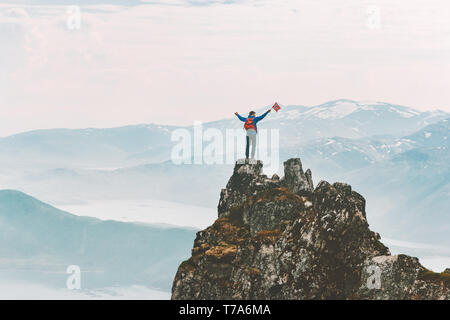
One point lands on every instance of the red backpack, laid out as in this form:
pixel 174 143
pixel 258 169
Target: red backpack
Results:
pixel 249 124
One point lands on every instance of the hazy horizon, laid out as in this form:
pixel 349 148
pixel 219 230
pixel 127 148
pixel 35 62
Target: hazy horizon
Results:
pixel 186 123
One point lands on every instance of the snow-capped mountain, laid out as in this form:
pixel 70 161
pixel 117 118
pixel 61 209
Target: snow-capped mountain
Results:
pixel 387 151
pixel 408 190
pixel 343 118
pixel 142 144
pixel 343 108
pixel 434 135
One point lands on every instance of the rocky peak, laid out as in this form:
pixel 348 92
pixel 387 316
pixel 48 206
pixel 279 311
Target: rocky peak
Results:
pixel 295 180
pixel 282 239
pixel 247 180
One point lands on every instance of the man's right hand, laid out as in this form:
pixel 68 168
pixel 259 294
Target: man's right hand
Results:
pixel 236 113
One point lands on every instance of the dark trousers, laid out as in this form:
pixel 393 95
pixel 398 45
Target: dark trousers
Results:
pixel 247 147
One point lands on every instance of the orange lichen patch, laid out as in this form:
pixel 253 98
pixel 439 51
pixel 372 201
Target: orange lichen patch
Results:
pixel 252 272
pixel 230 228
pixel 268 235
pixel 285 195
pixel 200 249
pixel 198 252
pixel 224 225
pixel 276 194
pixel 442 278
pixel 222 250
pixel 187 266
pixel 221 224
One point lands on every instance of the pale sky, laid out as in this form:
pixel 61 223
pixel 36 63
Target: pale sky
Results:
pixel 177 61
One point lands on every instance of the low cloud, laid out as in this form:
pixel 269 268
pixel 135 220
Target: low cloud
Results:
pixel 29 291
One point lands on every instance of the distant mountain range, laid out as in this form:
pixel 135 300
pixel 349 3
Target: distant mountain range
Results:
pixel 396 156
pixel 38 243
pixel 337 154
pixel 151 143
pixel 89 147
pixel 411 188
pixel 344 118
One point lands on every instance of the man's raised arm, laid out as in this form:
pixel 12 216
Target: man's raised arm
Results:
pixel 240 118
pixel 263 115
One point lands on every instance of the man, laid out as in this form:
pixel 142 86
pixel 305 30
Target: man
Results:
pixel 252 130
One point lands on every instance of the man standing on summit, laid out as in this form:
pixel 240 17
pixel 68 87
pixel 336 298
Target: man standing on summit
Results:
pixel 252 130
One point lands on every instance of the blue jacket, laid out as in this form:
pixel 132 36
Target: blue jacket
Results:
pixel 255 119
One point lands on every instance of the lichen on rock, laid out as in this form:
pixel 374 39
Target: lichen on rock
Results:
pixel 282 239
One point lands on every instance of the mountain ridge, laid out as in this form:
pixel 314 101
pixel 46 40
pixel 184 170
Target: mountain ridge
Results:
pixel 284 239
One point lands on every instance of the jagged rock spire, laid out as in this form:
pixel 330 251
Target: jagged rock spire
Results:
pixel 295 180
pixel 280 239
pixel 247 179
